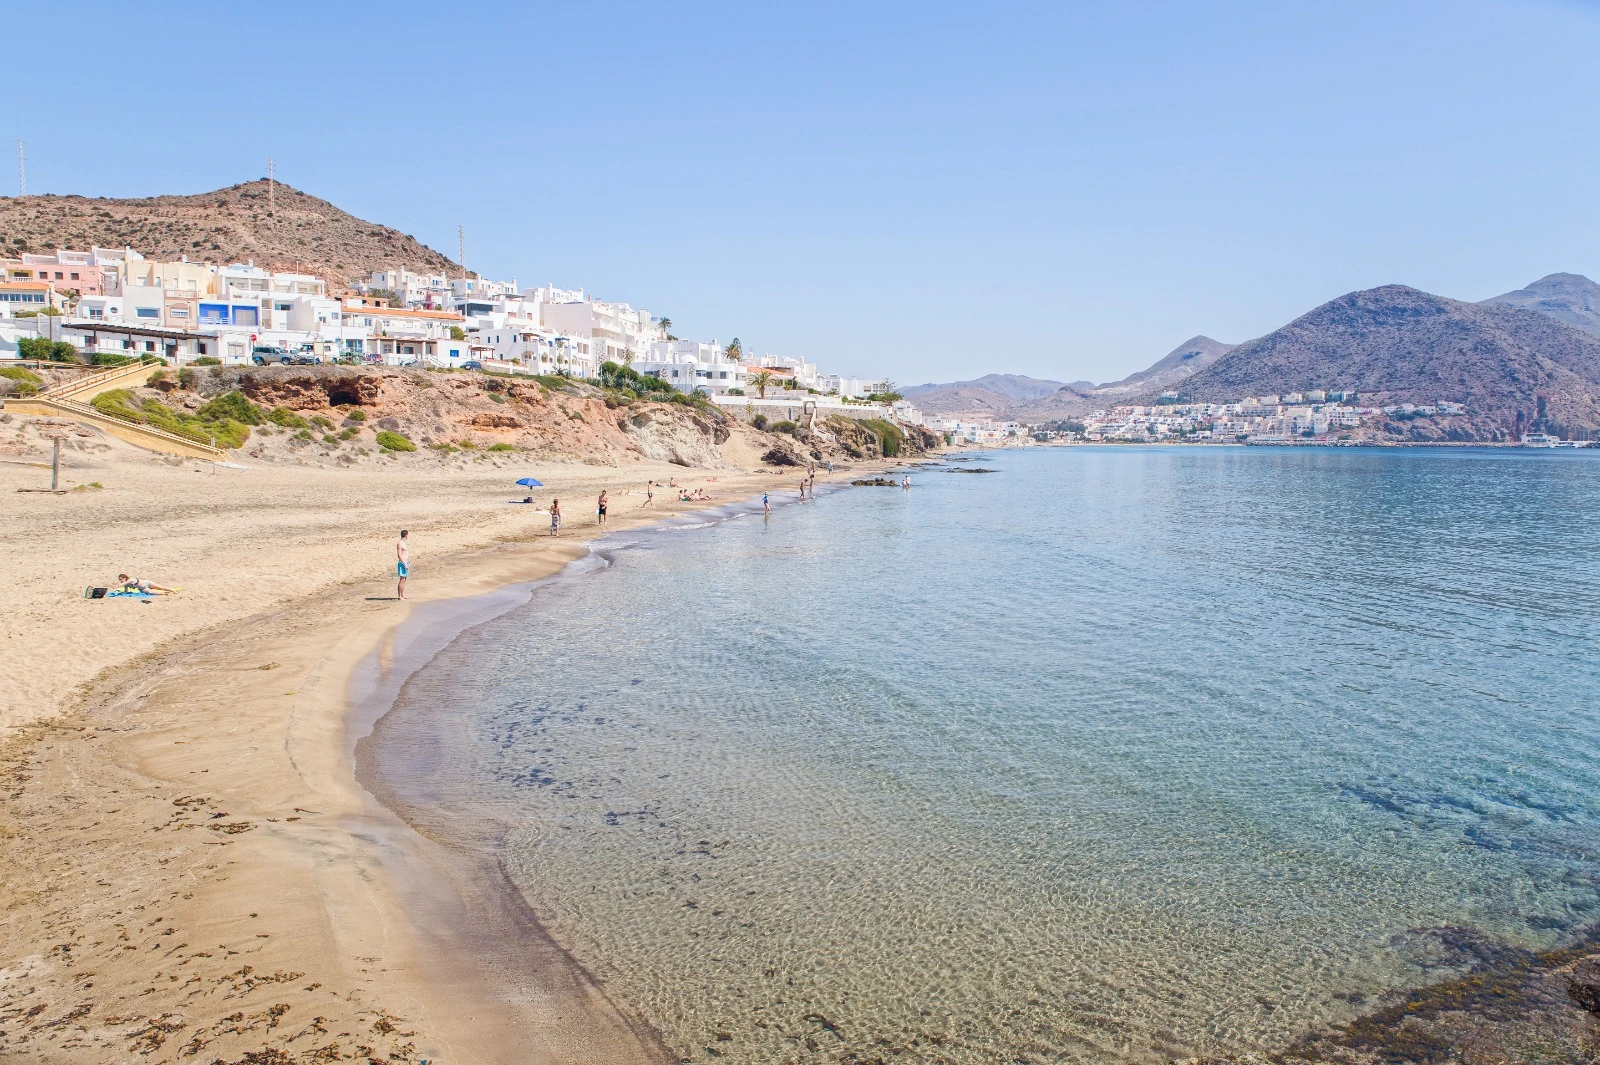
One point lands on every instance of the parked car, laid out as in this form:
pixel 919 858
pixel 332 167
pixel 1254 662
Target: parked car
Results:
pixel 265 356
pixel 472 364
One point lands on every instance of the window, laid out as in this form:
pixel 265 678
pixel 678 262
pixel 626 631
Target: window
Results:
pixel 282 306
pixel 149 345
pixel 58 275
pixel 180 312
pixel 96 312
pixel 200 348
pixel 74 277
pixel 147 312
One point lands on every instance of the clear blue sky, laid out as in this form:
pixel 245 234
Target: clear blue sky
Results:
pixel 924 191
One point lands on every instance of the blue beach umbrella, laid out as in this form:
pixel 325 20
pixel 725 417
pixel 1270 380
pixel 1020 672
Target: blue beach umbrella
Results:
pixel 529 482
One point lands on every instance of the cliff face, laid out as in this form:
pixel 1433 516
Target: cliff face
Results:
pixel 456 414
pixel 331 415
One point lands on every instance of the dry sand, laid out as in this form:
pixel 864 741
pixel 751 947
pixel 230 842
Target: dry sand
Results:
pixel 193 873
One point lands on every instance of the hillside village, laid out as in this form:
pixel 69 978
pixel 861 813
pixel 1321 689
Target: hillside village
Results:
pixel 106 305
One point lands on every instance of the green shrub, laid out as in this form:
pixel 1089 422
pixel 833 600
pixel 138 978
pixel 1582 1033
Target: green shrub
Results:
pixel 502 446
pixel 330 439
pixel 394 442
pixel 759 421
pixel 49 350
pixel 446 447
pixel 616 376
pixel 348 433
pixel 320 422
pixel 889 436
pixel 109 358
pixel 224 431
pixel 498 397
pixel 232 405
pixel 187 378
pixel 27 381
pixel 206 360
pixel 355 414
pixel 784 426
pixel 287 418
pixel 155 378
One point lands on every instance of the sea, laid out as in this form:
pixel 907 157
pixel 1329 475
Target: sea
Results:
pixel 1084 754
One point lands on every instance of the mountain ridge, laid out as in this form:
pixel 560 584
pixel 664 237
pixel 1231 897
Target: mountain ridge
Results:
pixel 280 228
pixel 1569 298
pixel 1515 369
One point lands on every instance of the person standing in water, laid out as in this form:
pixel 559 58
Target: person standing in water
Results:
pixel 906 484
pixel 601 513
pixel 555 517
pixel 766 504
pixel 402 563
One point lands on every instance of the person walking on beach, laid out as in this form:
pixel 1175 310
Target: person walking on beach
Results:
pixel 555 517
pixel 402 563
pixel 649 494
pixel 600 514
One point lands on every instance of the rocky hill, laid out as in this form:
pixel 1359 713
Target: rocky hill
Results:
pixel 1185 360
pixel 1569 298
pixel 291 231
pixel 1515 369
pixel 990 396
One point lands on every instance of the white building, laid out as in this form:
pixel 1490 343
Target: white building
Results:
pixel 688 365
pixel 615 332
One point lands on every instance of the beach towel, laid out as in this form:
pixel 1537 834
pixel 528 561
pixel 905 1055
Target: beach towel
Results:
pixel 114 593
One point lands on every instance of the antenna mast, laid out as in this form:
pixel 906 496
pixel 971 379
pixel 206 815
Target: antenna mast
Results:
pixel 461 249
pixel 272 184
pixel 22 172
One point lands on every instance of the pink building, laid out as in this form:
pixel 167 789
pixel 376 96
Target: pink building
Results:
pixel 67 271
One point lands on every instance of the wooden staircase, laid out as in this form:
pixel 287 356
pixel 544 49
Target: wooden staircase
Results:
pixel 71 400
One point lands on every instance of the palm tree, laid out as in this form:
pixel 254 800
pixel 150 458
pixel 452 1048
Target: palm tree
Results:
pixel 762 380
pixel 735 350
pixel 666 325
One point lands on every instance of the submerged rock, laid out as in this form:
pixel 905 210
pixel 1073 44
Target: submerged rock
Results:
pixel 1583 984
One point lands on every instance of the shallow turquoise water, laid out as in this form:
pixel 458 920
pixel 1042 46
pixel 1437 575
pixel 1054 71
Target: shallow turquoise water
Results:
pixel 1114 754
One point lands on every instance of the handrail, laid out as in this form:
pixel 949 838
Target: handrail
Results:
pixel 83 384
pixel 91 413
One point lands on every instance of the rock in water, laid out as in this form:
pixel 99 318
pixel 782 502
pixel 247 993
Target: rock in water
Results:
pixel 1583 984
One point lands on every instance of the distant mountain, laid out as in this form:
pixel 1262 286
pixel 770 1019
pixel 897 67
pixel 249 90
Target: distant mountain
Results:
pixel 1515 369
pixel 989 396
pixel 1569 298
pixel 1185 360
pixel 281 229
pixel 1064 402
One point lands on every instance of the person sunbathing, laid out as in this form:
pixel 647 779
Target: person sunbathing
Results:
pixel 142 586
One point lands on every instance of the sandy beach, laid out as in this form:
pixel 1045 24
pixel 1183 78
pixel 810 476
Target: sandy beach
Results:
pixel 194 872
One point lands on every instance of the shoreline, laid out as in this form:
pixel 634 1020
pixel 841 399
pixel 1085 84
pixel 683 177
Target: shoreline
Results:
pixel 291 843
pixel 457 892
